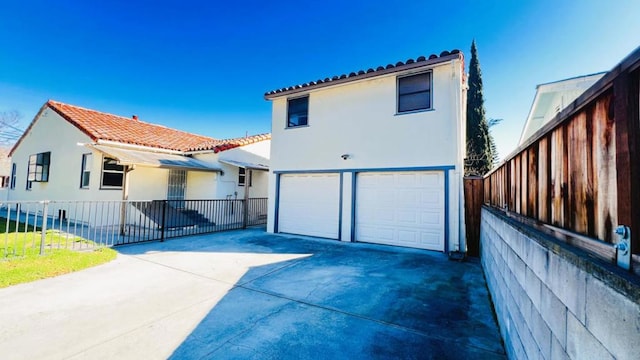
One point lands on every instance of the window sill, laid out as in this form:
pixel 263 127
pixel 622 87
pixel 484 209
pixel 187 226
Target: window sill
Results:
pixel 414 112
pixel 296 127
pixel 110 188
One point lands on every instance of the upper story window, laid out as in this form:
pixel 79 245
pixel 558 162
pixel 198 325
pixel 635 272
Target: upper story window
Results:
pixel 85 173
pixel 298 112
pixel 112 174
pixel 39 167
pixel 414 92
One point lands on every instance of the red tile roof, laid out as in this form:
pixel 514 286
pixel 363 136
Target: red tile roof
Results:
pixel 108 127
pixel 362 74
pixel 226 144
pixel 102 126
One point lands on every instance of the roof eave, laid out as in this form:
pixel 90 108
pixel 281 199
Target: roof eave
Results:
pixel 300 88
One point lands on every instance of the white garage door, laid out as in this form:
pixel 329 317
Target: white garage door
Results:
pixel 309 204
pixel 401 208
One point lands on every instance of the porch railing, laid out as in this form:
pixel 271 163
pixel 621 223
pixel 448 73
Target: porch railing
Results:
pixel 80 225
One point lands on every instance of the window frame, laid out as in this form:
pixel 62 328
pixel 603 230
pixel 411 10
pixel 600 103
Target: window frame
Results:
pixel 430 91
pixel 103 171
pixel 245 173
pixel 242 176
pixel 38 167
pixel 14 170
pixel 288 119
pixel 84 169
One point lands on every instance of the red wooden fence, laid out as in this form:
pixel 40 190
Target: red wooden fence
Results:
pixel 581 171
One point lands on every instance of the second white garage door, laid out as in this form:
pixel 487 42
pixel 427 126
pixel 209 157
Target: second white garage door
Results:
pixel 401 208
pixel 309 204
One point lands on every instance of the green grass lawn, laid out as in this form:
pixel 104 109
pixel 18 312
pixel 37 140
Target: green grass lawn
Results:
pixel 20 259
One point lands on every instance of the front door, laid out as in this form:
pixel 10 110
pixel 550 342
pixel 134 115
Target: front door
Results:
pixel 177 187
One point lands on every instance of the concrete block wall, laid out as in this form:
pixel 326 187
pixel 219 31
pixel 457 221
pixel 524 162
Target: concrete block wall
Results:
pixel 553 301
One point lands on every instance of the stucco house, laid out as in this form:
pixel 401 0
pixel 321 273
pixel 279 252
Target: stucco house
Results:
pixel 373 156
pixel 551 98
pixel 72 153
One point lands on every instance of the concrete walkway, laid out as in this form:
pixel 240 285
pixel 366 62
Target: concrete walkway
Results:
pixel 252 295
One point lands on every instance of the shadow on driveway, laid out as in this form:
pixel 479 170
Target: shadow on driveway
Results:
pixel 336 300
pixel 251 295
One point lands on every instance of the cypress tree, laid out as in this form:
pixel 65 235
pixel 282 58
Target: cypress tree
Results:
pixel 479 155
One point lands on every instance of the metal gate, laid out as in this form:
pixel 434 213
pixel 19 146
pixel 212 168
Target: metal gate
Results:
pixel 177 187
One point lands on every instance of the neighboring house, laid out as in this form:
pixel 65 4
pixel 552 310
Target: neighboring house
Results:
pixel 374 156
pixel 73 153
pixel 552 98
pixel 5 172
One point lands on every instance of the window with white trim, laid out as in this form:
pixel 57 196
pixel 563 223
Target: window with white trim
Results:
pixel 414 92
pixel 298 112
pixel 38 168
pixel 112 174
pixel 85 173
pixel 242 177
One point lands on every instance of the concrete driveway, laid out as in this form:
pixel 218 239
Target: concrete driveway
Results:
pixel 252 295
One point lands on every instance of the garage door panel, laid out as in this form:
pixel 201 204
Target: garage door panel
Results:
pixel 401 208
pixel 308 204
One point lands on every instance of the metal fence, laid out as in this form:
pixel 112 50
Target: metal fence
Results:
pixel 79 225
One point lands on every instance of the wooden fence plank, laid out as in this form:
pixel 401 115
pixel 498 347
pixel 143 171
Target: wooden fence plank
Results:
pixel 532 180
pixel 577 164
pixel 625 89
pixel 557 177
pixel 604 163
pixel 544 181
pixel 524 188
pixel 473 199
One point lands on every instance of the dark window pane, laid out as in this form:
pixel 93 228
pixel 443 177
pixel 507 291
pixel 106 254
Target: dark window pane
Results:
pixel 297 112
pixel 112 179
pixel 85 179
pixel 110 164
pixel 412 102
pixel 415 83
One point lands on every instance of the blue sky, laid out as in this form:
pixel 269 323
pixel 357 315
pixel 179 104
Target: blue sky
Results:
pixel 203 66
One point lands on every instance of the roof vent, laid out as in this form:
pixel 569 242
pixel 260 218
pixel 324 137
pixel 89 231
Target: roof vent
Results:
pixel 135 117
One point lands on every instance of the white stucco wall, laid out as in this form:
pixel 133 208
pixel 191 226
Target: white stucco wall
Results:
pixel 359 118
pixel 227 184
pixel 52 133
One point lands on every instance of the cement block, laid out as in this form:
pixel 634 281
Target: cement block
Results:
pixel 533 285
pixel 541 333
pixel 581 344
pixel 519 269
pixel 539 260
pixel 613 319
pixel 569 284
pixel 554 314
pixel 557 350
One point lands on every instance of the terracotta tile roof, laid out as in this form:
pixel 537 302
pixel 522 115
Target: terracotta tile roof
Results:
pixel 226 144
pixel 103 126
pixel 362 74
pixel 108 127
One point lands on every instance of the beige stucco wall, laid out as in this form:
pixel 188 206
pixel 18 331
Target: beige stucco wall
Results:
pixel 359 118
